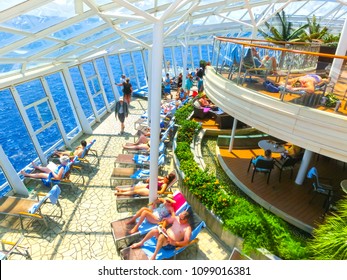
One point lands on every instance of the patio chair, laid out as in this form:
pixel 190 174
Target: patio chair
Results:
pixel 9 248
pixel 147 250
pixel 286 164
pixel 125 199
pixel 120 228
pixel 261 166
pixel 30 208
pixel 319 188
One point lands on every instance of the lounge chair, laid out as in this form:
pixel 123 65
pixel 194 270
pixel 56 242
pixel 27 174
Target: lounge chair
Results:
pixel 147 250
pixel 120 228
pixel 88 151
pixel 66 175
pixel 162 149
pixel 9 248
pixel 125 199
pixel 138 160
pixel 122 174
pixel 29 208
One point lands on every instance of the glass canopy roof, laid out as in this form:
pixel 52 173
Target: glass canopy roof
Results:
pixel 40 33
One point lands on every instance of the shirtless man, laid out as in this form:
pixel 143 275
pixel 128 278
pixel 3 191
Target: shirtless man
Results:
pixel 177 235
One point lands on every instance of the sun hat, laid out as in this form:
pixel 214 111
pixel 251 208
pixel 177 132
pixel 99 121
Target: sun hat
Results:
pixel 169 198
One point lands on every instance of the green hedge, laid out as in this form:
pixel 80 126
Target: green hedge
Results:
pixel 258 227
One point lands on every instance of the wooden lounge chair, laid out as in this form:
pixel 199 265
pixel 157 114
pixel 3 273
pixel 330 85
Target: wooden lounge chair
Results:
pixel 144 252
pixel 29 208
pixel 120 228
pixel 138 160
pixel 120 174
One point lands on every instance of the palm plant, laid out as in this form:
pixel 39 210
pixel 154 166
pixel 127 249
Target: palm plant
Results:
pixel 329 239
pixel 285 33
pixel 315 31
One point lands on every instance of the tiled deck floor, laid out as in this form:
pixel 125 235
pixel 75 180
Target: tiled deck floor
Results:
pixel 83 232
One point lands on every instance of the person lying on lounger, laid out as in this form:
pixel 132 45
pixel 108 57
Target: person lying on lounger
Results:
pixel 306 83
pixel 178 234
pixel 143 188
pixel 153 215
pixel 142 142
pixel 57 173
pixel 78 151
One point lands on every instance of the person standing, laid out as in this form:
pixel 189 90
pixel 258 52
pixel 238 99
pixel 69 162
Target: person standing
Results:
pixel 121 81
pixel 127 90
pixel 121 112
pixel 167 85
pixel 189 84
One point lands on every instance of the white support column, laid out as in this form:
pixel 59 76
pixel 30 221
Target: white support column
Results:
pixel 300 177
pixel 149 86
pixel 110 75
pixel 103 93
pixel 55 113
pixel 135 69
pixel 336 67
pixel 28 126
pixel 155 99
pixel 90 97
pixel 232 135
pixel 86 128
pixel 11 175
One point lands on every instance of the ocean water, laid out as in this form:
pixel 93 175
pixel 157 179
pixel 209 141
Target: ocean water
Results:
pixel 14 137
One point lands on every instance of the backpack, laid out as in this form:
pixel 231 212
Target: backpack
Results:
pixel 270 87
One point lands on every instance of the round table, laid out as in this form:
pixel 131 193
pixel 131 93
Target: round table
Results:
pixel 271 145
pixel 343 185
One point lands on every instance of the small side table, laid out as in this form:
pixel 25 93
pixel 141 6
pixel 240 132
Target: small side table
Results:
pixel 343 185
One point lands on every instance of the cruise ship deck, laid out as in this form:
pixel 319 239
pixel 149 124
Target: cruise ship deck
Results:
pixel 83 232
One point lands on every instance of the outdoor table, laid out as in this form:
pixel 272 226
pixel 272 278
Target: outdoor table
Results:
pixel 271 145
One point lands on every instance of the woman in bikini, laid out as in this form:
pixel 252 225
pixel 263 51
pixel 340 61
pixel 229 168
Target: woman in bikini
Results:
pixel 306 83
pixel 154 215
pixel 143 188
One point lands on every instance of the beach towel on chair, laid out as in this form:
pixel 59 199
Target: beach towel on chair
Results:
pixel 140 174
pixel 53 195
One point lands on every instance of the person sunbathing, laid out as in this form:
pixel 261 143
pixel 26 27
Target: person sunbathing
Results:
pixel 178 234
pixel 204 102
pixel 78 151
pixel 143 188
pixel 57 172
pixel 142 143
pixel 154 215
pixel 306 83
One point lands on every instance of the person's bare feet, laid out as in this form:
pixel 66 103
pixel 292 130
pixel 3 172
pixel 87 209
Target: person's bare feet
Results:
pixel 22 172
pixel 136 245
pixel 34 164
pixel 152 258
